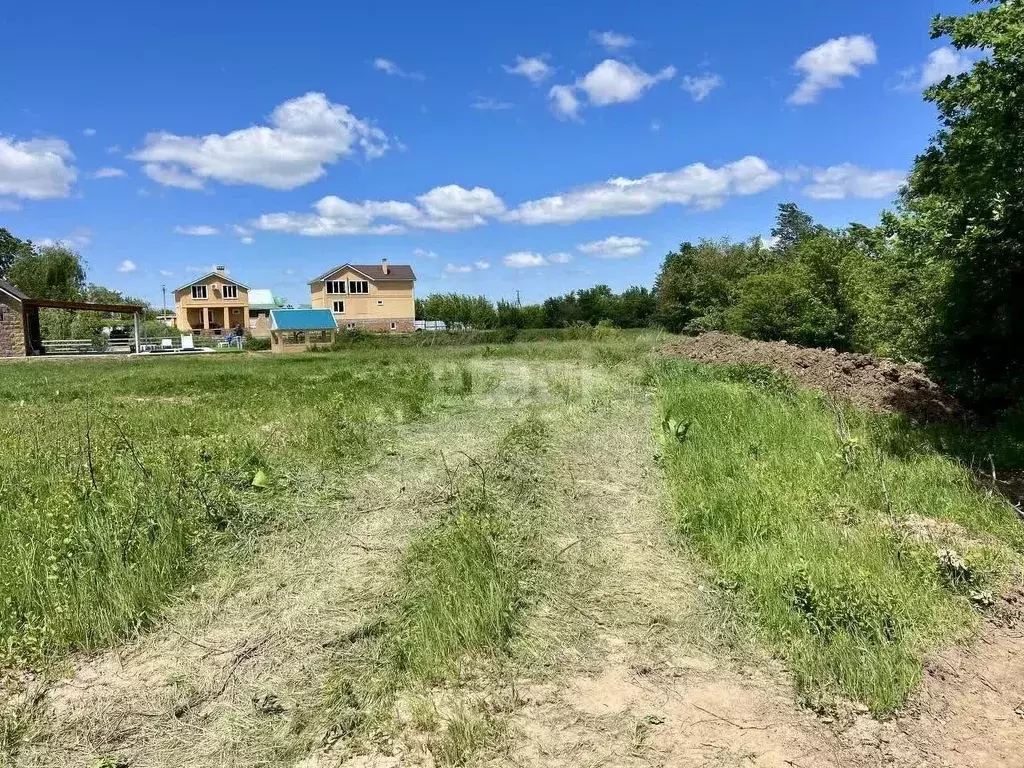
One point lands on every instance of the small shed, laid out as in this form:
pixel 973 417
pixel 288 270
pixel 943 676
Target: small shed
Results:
pixel 295 330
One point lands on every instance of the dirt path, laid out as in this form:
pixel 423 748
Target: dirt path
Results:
pixel 625 664
pixel 233 678
pixel 647 683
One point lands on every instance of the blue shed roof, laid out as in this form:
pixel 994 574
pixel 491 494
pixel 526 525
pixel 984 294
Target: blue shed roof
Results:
pixel 302 320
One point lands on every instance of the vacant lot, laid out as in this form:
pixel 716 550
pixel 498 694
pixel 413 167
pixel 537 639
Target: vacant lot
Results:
pixel 548 553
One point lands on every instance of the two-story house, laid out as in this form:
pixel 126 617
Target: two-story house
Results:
pixel 211 304
pixel 371 297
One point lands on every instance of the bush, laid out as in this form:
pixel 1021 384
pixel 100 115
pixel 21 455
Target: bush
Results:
pixel 781 306
pixel 255 344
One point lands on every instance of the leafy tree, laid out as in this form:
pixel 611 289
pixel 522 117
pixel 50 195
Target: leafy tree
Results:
pixel 782 305
pixel 963 209
pixel 791 226
pixel 53 272
pixel 11 249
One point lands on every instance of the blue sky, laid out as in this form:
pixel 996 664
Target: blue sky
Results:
pixel 561 145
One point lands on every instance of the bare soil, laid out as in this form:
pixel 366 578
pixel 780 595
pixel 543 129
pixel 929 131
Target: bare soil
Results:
pixel 626 662
pixel 875 384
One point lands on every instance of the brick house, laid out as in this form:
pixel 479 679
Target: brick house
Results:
pixel 370 297
pixel 13 327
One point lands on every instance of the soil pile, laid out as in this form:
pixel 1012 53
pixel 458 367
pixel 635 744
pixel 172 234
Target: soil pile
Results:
pixel 867 381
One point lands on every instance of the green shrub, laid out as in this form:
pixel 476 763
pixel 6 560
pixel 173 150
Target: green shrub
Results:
pixel 256 344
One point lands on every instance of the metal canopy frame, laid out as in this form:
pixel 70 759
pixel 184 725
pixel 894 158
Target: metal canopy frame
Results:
pixel 119 309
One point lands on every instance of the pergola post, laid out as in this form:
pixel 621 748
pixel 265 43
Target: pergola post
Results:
pixel 138 334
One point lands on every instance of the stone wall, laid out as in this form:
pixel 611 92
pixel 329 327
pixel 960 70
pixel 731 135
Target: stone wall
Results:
pixel 402 325
pixel 12 328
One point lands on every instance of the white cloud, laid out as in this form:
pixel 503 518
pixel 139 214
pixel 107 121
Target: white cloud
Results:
pixel 389 67
pixel 126 266
pixel 166 273
pixel 564 103
pixel 447 208
pixel 114 149
pixel 655 126
pixel 170 176
pixel 248 240
pixel 244 234
pixel 90 132
pixel 204 270
pixel 9 205
pixel 612 82
pixel 825 66
pixel 524 260
pixel 694 185
pixel 614 247
pixel 424 254
pixel 942 63
pixel 305 135
pixel 489 104
pixel 560 258
pixel 481 265
pixel 36 169
pixel 200 230
pixel 842 181
pixel 612 41
pixel 79 238
pixel 457 269
pixel 108 173
pixel 768 241
pixel 533 68
pixel 701 86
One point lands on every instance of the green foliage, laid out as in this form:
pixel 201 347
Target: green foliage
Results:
pixel 782 305
pixel 120 481
pixel 964 209
pixel 832 561
pixel 52 272
pixel 256 344
pixel 11 250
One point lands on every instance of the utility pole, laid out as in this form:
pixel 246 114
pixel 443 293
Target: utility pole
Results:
pixel 518 302
pixel 163 290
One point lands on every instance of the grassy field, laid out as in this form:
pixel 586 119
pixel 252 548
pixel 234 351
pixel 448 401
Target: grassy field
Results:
pixel 847 545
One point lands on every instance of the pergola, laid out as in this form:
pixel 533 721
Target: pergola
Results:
pixel 34 337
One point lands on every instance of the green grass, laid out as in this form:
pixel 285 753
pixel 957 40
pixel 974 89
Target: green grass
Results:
pixel 463 585
pixel 828 524
pixel 122 481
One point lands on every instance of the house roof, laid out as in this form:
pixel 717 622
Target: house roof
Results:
pixel 261 298
pixel 302 320
pixel 373 272
pixel 10 290
pixel 225 278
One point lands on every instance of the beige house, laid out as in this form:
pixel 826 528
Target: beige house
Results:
pixel 371 297
pixel 211 305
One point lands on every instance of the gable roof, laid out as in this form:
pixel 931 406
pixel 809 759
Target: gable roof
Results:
pixel 211 274
pixel 10 290
pixel 302 320
pixel 374 272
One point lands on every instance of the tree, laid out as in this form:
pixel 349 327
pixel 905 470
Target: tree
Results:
pixel 783 305
pixel 53 272
pixel 963 208
pixel 791 226
pixel 11 249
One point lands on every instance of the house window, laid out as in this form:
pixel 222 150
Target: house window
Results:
pixel 394 326
pixel 380 302
pixel 336 286
pixel 358 286
pixel 339 307
pixel 351 326
pixel 198 291
pixel 230 291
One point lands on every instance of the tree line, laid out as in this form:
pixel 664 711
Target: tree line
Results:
pixel 939 279
pixel 57 272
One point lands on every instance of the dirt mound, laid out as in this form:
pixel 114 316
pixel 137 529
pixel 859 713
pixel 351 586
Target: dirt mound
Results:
pixel 867 381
